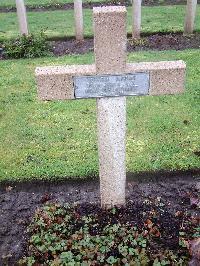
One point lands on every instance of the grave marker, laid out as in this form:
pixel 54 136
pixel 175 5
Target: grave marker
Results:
pixel 136 18
pixel 21 13
pixel 190 16
pixel 78 16
pixel 152 78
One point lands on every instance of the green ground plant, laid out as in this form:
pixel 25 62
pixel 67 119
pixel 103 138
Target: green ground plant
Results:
pixel 48 140
pixel 85 234
pixel 27 46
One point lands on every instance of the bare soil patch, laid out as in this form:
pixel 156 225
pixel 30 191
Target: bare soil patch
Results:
pixel 159 41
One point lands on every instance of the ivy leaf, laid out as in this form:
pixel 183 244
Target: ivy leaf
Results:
pixel 111 260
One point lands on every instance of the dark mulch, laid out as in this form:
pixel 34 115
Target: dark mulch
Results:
pixel 18 202
pixel 160 41
pixel 157 42
pixel 90 5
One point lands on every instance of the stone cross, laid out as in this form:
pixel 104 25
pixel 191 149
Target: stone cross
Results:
pixel 190 16
pixel 136 18
pixel 78 16
pixel 110 80
pixel 21 13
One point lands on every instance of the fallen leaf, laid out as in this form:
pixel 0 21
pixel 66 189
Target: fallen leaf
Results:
pixel 155 231
pixel 132 184
pixel 194 248
pixel 9 188
pixel 178 213
pixel 145 233
pixel 46 197
pixel 149 223
pixel 195 202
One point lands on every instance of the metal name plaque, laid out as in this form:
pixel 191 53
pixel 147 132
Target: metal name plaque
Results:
pixel 111 85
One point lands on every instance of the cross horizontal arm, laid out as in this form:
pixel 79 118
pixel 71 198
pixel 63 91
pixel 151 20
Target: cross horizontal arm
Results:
pixel 166 77
pixel 56 82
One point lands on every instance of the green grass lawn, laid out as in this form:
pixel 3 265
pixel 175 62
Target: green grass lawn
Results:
pixel 58 139
pixel 61 23
pixel 11 3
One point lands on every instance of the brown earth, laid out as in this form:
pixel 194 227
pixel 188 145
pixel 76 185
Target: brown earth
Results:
pixel 160 41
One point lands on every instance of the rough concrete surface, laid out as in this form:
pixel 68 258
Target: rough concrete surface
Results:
pixel 110 58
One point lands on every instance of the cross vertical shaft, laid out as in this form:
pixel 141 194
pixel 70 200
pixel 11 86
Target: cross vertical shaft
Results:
pixel 110 58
